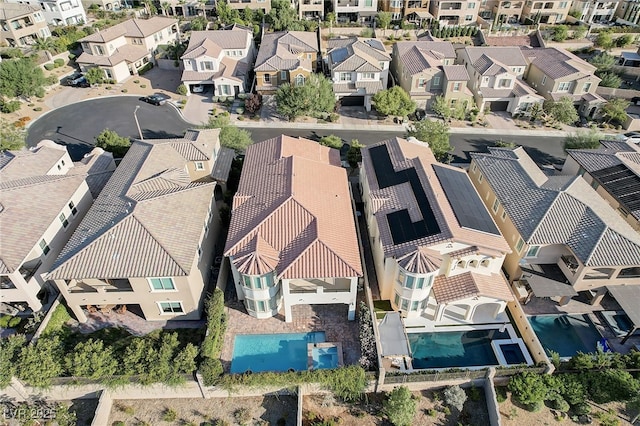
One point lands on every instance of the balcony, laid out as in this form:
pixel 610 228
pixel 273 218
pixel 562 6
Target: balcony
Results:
pixel 347 3
pixel 6 283
pixel 570 262
pixel 450 6
pixel 29 269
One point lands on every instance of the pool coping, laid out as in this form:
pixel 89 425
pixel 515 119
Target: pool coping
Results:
pixel 312 346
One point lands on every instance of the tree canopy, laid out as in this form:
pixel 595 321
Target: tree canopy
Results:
pixel 605 40
pixel 602 61
pixel 230 136
pixel 583 139
pixel 331 141
pixel 610 79
pixel 314 96
pixel 394 101
pixel 400 406
pixel 284 17
pixel 21 78
pixel 94 75
pixel 562 111
pixel 615 110
pixel 112 142
pixel 383 19
pixel 435 134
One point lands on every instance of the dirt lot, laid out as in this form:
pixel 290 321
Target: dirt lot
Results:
pixel 270 410
pixel 431 410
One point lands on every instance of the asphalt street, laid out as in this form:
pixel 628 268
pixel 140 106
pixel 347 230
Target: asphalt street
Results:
pixel 78 124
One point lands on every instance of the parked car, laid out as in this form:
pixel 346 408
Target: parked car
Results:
pixel 156 99
pixel 77 80
pixel 197 88
pixel 631 137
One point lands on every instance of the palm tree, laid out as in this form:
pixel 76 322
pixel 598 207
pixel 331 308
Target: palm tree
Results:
pixel 45 45
pixel 165 8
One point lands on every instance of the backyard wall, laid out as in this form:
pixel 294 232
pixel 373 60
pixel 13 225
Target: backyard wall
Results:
pixel 528 335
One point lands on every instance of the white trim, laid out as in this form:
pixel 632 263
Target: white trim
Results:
pixel 162 312
pixel 161 290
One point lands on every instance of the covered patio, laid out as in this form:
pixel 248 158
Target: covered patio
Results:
pixel 628 296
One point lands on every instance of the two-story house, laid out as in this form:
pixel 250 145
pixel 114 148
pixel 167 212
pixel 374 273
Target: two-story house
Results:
pixel 285 57
pixel 497 12
pixel 410 10
pixel 147 242
pixel 426 69
pixel 496 79
pixel 455 12
pixel 595 10
pixel 263 5
pixel 59 12
pixel 21 25
pixel 43 197
pixel 359 69
pixel 628 12
pixel 120 51
pixel 311 9
pixel 545 12
pixel 613 171
pixel 361 11
pixel 556 73
pixel 292 238
pixel 436 250
pixel 219 60
pixel 564 236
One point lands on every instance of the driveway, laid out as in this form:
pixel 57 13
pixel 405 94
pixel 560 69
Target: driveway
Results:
pixel 198 107
pixel 77 125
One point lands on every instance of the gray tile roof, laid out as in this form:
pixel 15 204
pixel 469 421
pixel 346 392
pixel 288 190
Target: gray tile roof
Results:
pixel 557 63
pixel 148 219
pixel 352 53
pixel 416 56
pixel 564 211
pixel 286 50
pixel 222 166
pixel 212 43
pixel 509 56
pixel 11 10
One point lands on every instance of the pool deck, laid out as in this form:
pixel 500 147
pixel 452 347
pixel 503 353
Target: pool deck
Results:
pixel 332 319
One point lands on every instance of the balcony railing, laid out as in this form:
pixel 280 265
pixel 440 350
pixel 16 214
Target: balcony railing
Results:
pixel 28 271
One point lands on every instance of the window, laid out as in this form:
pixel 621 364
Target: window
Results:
pixel 44 247
pixel 368 3
pixel 207 65
pixel 544 80
pixel 267 78
pixel 381 65
pixel 519 245
pixel 404 305
pixel 586 87
pixel 73 208
pixel 171 307
pixel 396 3
pixel 563 5
pixel 99 50
pixel 165 283
pixel 396 300
pixel 468 18
pixel 485 263
pixel 474 167
pixel 456 86
pixel 63 220
pixel 480 178
pixel 368 76
pixel 300 80
pixel 422 82
pixel 533 251
pixel 504 215
pixel 107 72
pixel 595 184
pixel 436 81
pixel 344 76
pixel 251 305
pixel 283 75
pixel 496 206
pixel 564 86
pixel 471 5
pixel 504 82
pixel 414 305
pixel 199 165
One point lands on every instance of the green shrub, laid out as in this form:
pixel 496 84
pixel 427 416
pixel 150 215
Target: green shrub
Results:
pixel 71 56
pixel 124 91
pixel 37 109
pixel 182 90
pixel 455 396
pixel 169 415
pixel 400 406
pixel 211 370
pixel 4 321
pixel 529 389
pixel 230 98
pixel 52 79
pixel 143 86
pixel 58 62
pixel 145 68
pixel 215 99
pixel 9 107
pixel 240 110
pixel 118 423
pixel 49 66
pixel 14 322
pixel 136 81
pixel 242 96
pixel 582 409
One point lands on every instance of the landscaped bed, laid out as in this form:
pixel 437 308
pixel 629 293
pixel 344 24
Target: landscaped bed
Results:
pixel 269 410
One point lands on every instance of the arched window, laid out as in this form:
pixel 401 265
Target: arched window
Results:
pixel 461 264
pixel 299 80
pixel 473 264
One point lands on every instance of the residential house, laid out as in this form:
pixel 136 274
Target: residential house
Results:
pixel 436 250
pixel 58 12
pixel 219 60
pixel 189 8
pixel 147 242
pixel 497 12
pixel 545 12
pixel 43 197
pixel 292 238
pixel 455 12
pixel 105 4
pixel 556 73
pixel 285 57
pixel 122 50
pixel 361 11
pixel 595 11
pixel 359 69
pixel 564 236
pixel 425 70
pixel 628 12
pixel 311 9
pixel 415 11
pixel 22 24
pixel 264 5
pixel 496 79
pixel 613 171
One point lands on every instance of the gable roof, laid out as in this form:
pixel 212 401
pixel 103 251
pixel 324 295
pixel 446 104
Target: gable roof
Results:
pixel 557 63
pixel 33 193
pixel 12 10
pixel 356 54
pixel 285 50
pixel 416 56
pixel 416 207
pixel 292 213
pixel 491 59
pixel 211 43
pixel 148 219
pixel 559 210
pixel 131 28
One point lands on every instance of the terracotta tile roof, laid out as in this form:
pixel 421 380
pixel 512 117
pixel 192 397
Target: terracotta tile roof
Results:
pixel 132 28
pixel 421 261
pixel 286 50
pixel 467 285
pixel 293 209
pixel 148 219
pixel 455 72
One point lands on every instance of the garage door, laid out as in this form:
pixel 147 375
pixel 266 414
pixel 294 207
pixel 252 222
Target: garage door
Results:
pixel 499 105
pixel 352 101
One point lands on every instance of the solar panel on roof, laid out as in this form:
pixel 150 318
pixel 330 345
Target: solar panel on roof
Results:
pixel 623 183
pixel 376 44
pixel 339 55
pixel 467 205
pixel 400 224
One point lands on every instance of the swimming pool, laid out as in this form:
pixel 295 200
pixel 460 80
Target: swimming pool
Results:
pixel 326 357
pixel 273 352
pixel 618 321
pixel 454 348
pixel 565 334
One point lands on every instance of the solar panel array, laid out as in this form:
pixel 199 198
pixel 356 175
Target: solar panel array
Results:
pixel 400 224
pixel 467 205
pixel 622 183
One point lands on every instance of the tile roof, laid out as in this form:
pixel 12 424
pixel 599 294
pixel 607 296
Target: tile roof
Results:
pixel 568 212
pixel 389 197
pixel 33 193
pixel 507 56
pixel 286 50
pixel 557 63
pixel 356 54
pixel 469 284
pixel 293 211
pixel 131 28
pixel 455 72
pixel 125 53
pixel 148 219
pixel 211 43
pixel 416 56
pixel 12 10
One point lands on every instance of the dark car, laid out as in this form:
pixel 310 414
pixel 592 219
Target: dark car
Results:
pixel 77 80
pixel 582 122
pixel 156 99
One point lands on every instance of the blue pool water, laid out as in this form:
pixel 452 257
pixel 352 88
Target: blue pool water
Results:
pixel 454 349
pixel 272 352
pixel 565 334
pixel 618 321
pixel 513 354
pixel 325 357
